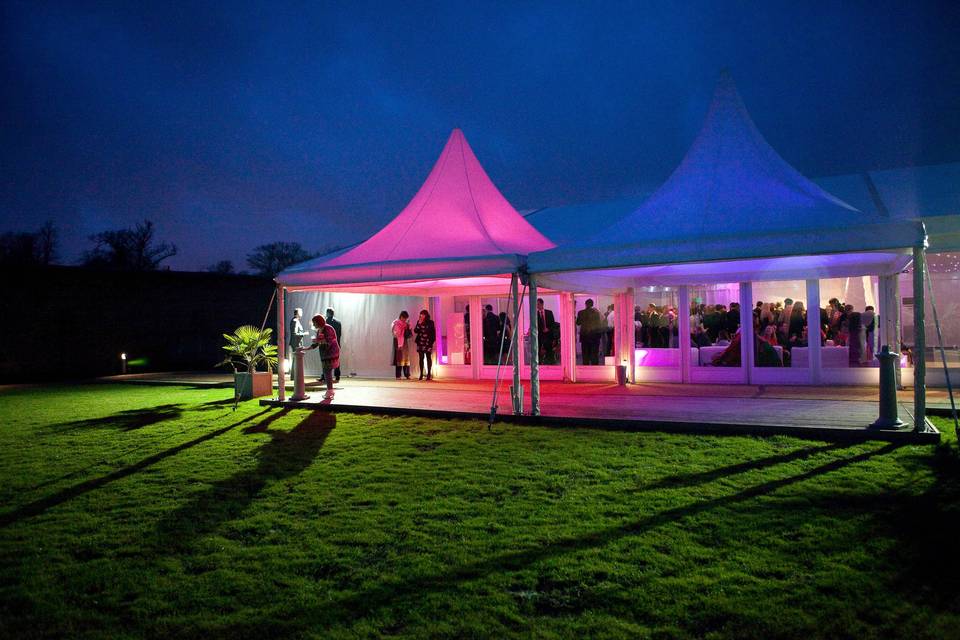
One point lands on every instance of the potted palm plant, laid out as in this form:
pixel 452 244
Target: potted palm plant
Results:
pixel 249 348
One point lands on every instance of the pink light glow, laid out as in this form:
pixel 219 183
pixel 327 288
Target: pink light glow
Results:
pixel 457 212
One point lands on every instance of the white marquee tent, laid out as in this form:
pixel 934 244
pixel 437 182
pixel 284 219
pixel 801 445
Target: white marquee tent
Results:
pixel 733 212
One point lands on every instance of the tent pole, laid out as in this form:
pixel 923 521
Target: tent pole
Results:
pixel 894 328
pixel 281 346
pixel 813 331
pixel 919 342
pixel 683 324
pixel 571 328
pixel 476 337
pixel 629 335
pixel 747 338
pixel 566 311
pixel 517 395
pixel 534 350
pixel 619 353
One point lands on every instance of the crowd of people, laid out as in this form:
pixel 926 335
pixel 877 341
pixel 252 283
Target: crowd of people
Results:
pixel 656 326
pixel 779 327
pixel 496 332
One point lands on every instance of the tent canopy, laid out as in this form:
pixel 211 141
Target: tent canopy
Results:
pixel 731 198
pixel 457 225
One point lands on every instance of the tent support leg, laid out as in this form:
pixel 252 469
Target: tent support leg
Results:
pixel 683 323
pixel 919 343
pixel 813 331
pixel 281 346
pixel 534 350
pixel 629 335
pixel 894 338
pixel 517 394
pixel 746 331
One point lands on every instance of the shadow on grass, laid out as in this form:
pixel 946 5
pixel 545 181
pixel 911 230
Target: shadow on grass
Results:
pixel 286 454
pixel 690 479
pixel 128 420
pixel 929 523
pixel 219 403
pixel 133 419
pixel 38 507
pixel 514 561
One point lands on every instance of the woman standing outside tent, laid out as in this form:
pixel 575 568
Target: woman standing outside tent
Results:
pixel 326 342
pixel 425 333
pixel 401 344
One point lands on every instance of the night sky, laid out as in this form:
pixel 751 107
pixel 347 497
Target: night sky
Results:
pixel 235 124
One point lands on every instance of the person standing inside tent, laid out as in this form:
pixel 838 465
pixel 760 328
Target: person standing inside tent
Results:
pixel 591 327
pixel 545 330
pixel 733 318
pixel 466 334
pixel 491 327
pixel 504 333
pixel 337 327
pixel 425 335
pixel 609 323
pixel 868 324
pixel 326 342
pixel 402 334
pixel 783 322
pixel 295 336
pixel 855 336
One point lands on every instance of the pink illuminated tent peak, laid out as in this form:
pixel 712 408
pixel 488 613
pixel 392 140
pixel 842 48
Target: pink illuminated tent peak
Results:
pixel 457 224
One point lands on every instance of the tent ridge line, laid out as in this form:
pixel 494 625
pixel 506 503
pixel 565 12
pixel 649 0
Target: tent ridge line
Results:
pixel 473 200
pixel 426 201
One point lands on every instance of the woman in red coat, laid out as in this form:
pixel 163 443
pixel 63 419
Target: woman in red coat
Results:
pixel 326 342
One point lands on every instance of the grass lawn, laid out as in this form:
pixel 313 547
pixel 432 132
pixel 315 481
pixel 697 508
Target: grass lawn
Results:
pixel 131 511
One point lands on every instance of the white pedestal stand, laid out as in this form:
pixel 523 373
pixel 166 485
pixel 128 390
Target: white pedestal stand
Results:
pixel 299 386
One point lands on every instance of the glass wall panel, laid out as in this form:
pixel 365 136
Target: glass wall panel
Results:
pixel 656 326
pixel 780 324
pixel 849 322
pixel 715 325
pixel 945 278
pixel 548 328
pixel 496 329
pixel 594 322
pixel 454 330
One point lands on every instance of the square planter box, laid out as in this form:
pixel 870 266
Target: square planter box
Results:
pixel 253 385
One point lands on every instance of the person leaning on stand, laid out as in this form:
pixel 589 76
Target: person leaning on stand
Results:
pixel 425 335
pixel 326 342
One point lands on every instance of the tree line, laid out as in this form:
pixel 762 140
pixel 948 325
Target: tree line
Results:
pixel 138 249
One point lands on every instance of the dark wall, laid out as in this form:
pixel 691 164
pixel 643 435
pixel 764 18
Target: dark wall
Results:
pixel 71 322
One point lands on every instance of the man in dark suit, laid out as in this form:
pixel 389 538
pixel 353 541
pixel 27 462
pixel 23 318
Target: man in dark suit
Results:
pixel 491 327
pixel 733 318
pixel 296 333
pixel 545 332
pixel 591 329
pixel 337 327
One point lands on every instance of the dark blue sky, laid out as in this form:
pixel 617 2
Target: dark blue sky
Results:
pixel 232 124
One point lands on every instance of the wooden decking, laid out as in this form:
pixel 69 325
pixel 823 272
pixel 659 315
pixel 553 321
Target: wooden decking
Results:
pixel 811 412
